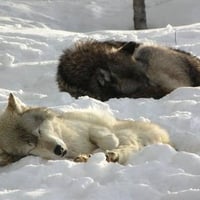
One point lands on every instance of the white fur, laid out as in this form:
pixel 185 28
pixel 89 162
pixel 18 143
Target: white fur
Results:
pixel 77 132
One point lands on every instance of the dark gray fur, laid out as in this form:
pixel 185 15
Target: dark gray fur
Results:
pixel 114 69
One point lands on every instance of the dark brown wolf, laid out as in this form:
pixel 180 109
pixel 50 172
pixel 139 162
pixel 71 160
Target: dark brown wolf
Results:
pixel 114 69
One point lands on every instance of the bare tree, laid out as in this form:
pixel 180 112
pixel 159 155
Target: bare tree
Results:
pixel 139 14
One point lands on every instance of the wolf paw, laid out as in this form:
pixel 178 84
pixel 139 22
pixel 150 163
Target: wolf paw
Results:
pixel 112 156
pixel 82 158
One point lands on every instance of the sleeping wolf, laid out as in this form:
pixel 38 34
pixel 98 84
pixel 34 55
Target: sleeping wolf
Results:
pixel 46 133
pixel 114 69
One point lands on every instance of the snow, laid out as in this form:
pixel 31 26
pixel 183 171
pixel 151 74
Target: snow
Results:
pixel 33 35
pixel 174 12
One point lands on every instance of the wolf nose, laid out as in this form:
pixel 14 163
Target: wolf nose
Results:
pixel 59 150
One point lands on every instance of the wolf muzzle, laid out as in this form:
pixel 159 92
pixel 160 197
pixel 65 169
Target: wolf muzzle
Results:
pixel 60 151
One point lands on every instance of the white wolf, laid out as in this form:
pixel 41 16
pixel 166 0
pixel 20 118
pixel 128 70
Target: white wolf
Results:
pixel 49 134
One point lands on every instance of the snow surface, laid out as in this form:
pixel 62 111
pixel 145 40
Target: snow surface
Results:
pixel 33 35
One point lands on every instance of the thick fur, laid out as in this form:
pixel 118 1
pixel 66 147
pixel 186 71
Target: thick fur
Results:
pixel 109 69
pixel 99 70
pixel 43 132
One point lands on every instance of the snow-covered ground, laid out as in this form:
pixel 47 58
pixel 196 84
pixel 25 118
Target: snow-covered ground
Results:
pixel 87 15
pixel 32 36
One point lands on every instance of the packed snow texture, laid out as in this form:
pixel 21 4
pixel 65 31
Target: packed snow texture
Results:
pixel 33 35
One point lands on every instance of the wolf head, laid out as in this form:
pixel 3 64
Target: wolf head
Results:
pixel 27 131
pixel 126 75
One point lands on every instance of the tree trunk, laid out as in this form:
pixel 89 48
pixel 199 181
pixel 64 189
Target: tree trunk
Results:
pixel 139 14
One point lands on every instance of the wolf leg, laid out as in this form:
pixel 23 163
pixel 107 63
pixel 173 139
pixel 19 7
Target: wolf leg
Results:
pixel 103 138
pixel 121 154
pixel 82 158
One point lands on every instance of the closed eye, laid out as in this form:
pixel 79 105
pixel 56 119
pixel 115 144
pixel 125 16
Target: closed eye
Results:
pixel 30 139
pixel 39 132
pixel 26 136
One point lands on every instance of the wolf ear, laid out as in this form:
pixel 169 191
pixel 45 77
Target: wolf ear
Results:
pixel 129 48
pixel 15 105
